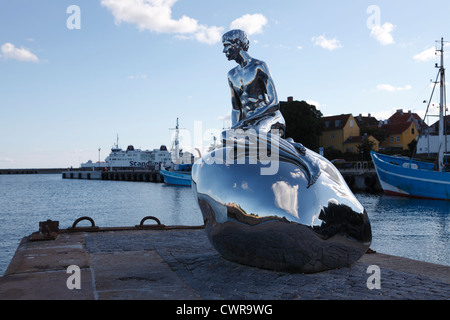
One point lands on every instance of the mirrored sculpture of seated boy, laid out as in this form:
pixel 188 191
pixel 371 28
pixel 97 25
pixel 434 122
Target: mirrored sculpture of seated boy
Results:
pixel 300 217
pixel 255 101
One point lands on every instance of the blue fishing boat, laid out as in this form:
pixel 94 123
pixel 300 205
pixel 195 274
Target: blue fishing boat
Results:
pixel 177 178
pixel 180 173
pixel 409 178
pixel 406 177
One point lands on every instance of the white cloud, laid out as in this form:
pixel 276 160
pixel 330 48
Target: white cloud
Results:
pixel 210 35
pixel 9 51
pixel 391 88
pixel 137 76
pixel 383 33
pixel 425 55
pixel 329 44
pixel 383 114
pixel 286 197
pixel 428 54
pixel 6 159
pixel 250 23
pixel 225 117
pixel 314 103
pixel 156 15
pixel 387 113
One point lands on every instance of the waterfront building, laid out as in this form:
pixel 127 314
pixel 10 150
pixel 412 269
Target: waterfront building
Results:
pixel 336 130
pixel 399 135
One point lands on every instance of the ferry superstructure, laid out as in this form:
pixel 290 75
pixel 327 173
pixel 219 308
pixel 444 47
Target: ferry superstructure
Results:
pixel 137 158
pixel 132 158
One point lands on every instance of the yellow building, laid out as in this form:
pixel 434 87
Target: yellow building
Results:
pixel 337 129
pixel 399 135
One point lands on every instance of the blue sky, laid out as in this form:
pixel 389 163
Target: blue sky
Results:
pixel 70 81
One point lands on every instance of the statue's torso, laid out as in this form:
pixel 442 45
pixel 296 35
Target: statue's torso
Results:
pixel 249 86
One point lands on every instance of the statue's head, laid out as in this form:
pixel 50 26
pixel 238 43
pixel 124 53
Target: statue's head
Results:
pixel 234 41
pixel 237 37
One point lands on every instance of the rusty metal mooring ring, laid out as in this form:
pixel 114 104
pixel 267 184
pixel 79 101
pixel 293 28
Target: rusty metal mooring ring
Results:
pixel 84 218
pixel 148 218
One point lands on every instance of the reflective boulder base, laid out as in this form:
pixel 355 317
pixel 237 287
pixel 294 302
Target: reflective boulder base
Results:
pixel 279 221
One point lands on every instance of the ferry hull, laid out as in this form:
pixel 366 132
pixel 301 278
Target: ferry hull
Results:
pixel 401 177
pixel 176 178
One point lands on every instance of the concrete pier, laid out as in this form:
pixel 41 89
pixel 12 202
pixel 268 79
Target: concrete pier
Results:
pixel 177 263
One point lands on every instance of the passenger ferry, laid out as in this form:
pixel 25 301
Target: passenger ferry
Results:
pixel 132 158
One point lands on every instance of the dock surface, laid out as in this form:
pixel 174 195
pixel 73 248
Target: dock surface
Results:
pixel 181 264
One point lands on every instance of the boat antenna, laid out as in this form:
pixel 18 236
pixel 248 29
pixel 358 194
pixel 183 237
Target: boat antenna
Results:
pixel 426 114
pixel 441 109
pixel 176 142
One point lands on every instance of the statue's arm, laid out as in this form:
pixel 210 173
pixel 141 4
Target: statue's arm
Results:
pixel 268 99
pixel 236 112
pixel 271 92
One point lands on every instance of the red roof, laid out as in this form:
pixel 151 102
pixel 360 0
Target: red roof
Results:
pixel 400 116
pixel 396 128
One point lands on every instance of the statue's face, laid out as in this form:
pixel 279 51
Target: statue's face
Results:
pixel 231 50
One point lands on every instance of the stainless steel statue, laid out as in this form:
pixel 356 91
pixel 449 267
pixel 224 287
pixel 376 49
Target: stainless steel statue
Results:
pixel 267 201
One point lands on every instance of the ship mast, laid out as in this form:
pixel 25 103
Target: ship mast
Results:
pixel 177 142
pixel 441 109
pixel 176 146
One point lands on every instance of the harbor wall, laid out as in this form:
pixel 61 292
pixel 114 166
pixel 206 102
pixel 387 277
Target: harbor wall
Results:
pixel 358 180
pixel 362 181
pixel 122 175
pixel 32 171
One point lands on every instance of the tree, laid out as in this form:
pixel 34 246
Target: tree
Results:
pixel 375 132
pixel 365 147
pixel 412 147
pixel 303 123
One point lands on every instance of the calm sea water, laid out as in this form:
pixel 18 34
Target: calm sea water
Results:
pixel 417 229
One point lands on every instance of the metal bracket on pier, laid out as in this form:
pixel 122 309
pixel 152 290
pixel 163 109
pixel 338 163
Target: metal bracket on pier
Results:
pixel 48 230
pixel 74 227
pixel 152 226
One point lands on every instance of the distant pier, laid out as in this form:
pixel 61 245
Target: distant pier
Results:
pixel 32 171
pixel 359 179
pixel 120 175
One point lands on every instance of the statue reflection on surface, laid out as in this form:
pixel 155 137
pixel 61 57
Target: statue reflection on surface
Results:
pixel 300 218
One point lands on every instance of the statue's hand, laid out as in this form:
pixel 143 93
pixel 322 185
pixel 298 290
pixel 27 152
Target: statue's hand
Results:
pixel 298 146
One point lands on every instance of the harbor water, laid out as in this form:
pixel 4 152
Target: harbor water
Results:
pixel 416 229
